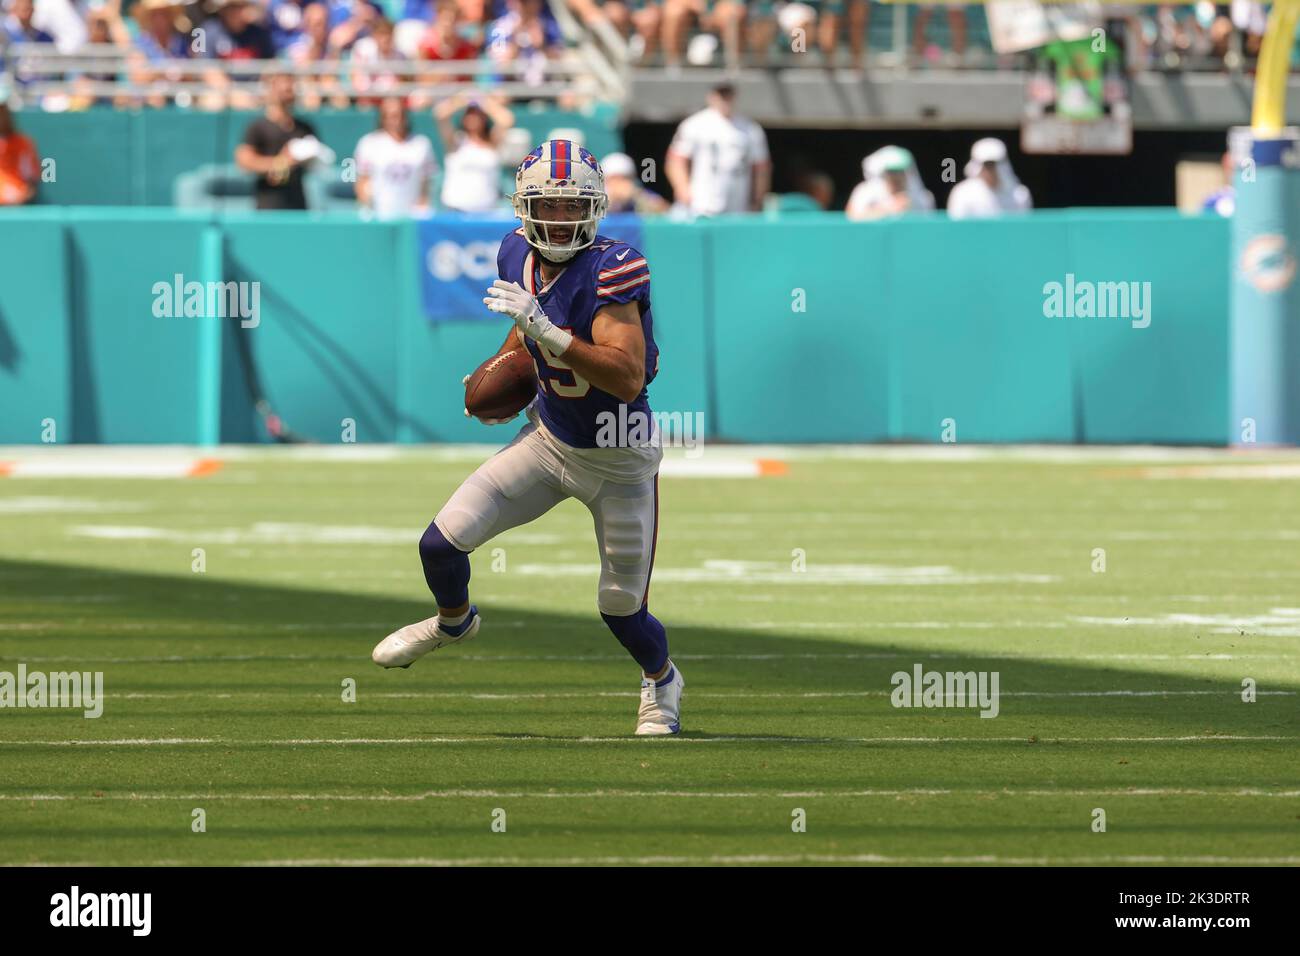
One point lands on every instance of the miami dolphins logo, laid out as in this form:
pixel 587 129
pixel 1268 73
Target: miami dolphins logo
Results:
pixel 1267 263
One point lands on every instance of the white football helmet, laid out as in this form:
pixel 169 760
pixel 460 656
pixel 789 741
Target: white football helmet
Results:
pixel 560 198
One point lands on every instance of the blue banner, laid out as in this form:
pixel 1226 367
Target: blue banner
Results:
pixel 458 261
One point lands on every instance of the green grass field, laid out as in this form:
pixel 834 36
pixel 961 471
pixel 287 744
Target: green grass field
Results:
pixel 1121 690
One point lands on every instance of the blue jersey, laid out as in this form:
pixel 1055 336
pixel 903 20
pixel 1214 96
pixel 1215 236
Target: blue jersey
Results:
pixel 606 272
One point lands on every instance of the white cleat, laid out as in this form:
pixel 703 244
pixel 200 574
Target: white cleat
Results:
pixel 404 647
pixel 661 706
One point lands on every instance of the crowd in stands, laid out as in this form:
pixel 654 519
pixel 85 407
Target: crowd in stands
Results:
pixel 671 33
pixel 353 39
pixel 701 32
pixel 716 164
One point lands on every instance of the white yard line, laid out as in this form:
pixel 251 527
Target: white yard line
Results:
pixel 715 860
pixel 789 858
pixel 730 695
pixel 918 656
pixel 615 794
pixel 639 741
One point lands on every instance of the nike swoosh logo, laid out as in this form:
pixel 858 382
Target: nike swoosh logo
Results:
pixel 623 256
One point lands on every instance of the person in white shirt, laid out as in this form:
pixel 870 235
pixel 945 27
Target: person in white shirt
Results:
pixel 472 182
pixel 891 186
pixel 990 187
pixel 394 167
pixel 718 161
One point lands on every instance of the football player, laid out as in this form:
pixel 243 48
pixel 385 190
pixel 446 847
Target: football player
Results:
pixel 580 304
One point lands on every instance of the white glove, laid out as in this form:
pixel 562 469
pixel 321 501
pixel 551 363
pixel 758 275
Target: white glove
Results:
pixel 510 299
pixel 487 421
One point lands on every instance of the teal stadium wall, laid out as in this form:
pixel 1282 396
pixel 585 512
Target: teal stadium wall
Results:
pixel 132 158
pixel 905 324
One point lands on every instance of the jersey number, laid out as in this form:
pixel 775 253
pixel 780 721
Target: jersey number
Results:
pixel 562 379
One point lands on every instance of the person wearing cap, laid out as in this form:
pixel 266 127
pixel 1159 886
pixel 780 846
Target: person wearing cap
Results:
pixel 164 30
pixel 990 187
pixel 891 186
pixel 626 194
pixel 718 161
pixel 235 33
pixel 163 36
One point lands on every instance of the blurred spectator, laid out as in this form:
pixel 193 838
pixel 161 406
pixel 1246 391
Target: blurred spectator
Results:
pixel 472 180
pixel 728 18
pixel 394 167
pixel 526 35
pixel 164 35
pixel 474 12
pixel 20 165
pixel 104 27
pixel 990 187
pixel 64 20
pixel 637 21
pixel 647 18
pixel 286 19
pixel 18 25
pixel 626 194
pixel 278 147
pixel 164 30
pixel 677 18
pixel 376 48
pixel 236 33
pixel 312 49
pixel 1252 20
pixel 956 29
pixel 859 17
pixel 819 185
pixel 350 20
pixel 831 16
pixel 891 186
pixel 718 161
pixel 1223 201
pixel 443 40
pixel 423 11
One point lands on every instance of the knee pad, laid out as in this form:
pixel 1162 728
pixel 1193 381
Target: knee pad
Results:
pixel 625 564
pixel 466 518
pixel 616 600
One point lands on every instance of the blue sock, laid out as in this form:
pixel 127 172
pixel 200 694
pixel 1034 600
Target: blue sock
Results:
pixel 643 636
pixel 446 568
pixel 456 630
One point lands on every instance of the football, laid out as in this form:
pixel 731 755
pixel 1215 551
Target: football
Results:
pixel 501 386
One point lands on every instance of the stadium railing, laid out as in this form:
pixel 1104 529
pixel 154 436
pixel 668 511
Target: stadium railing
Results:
pixel 34 71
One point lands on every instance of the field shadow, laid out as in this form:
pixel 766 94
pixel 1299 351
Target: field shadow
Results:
pixel 94 614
